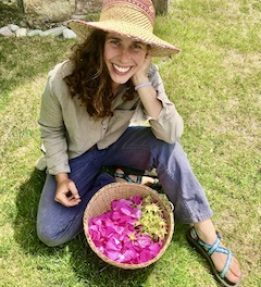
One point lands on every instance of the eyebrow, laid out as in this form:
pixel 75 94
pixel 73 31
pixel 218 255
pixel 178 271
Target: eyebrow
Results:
pixel 113 37
pixel 118 38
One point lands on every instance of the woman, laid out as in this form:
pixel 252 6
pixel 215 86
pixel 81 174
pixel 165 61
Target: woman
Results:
pixel 87 107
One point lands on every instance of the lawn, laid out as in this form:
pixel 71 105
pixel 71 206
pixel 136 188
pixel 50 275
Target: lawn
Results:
pixel 215 84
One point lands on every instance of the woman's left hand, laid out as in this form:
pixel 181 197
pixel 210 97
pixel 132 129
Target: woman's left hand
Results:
pixel 142 74
pixel 146 92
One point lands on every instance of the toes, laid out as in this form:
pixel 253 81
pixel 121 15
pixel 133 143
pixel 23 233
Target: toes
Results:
pixel 231 277
pixel 234 274
pixel 235 268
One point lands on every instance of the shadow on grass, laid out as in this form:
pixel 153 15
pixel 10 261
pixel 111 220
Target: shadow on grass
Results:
pixel 87 266
pixel 24 224
pixel 85 263
pixel 26 206
pixel 91 270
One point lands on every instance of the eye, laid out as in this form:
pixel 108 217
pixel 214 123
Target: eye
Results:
pixel 138 46
pixel 114 42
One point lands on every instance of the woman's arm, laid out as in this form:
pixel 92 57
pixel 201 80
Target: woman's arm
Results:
pixel 53 131
pixel 147 93
pixel 165 122
pixel 53 137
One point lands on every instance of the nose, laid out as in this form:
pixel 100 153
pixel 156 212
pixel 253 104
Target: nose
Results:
pixel 125 55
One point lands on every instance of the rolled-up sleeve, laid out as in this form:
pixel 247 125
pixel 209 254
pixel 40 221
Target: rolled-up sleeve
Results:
pixel 169 124
pixel 53 131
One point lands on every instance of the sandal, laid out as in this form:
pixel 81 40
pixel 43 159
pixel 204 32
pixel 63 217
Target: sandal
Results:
pixel 128 178
pixel 137 178
pixel 207 250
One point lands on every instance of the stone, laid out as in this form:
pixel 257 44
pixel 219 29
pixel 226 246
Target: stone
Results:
pixel 54 10
pixel 36 32
pixel 54 32
pixel 21 32
pixel 37 22
pixel 6 32
pixel 83 7
pixel 68 34
pixel 13 27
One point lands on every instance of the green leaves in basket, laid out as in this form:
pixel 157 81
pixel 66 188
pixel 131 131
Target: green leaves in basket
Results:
pixel 152 221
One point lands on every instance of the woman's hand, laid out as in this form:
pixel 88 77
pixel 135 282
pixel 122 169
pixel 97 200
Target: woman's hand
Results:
pixel 66 191
pixel 141 75
pixel 147 93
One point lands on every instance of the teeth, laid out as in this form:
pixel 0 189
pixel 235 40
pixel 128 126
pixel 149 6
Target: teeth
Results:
pixel 121 69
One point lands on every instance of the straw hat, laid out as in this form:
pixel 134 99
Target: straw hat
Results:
pixel 131 18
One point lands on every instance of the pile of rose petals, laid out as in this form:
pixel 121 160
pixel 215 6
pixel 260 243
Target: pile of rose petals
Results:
pixel 115 233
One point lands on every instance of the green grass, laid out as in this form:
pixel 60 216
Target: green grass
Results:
pixel 11 14
pixel 215 84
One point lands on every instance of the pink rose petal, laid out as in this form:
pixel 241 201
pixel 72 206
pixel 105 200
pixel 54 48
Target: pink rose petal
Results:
pixel 113 244
pixel 136 199
pixel 113 255
pixel 145 256
pixel 144 241
pixel 116 235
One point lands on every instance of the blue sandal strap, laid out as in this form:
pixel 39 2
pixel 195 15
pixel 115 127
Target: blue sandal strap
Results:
pixel 138 179
pixel 223 250
pixel 123 176
pixel 128 178
pixel 227 265
pixel 210 248
pixel 215 247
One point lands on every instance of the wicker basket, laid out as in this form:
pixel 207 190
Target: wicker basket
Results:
pixel 101 202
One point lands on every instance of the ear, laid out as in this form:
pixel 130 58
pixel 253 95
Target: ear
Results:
pixel 148 51
pixel 148 54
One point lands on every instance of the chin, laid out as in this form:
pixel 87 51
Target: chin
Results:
pixel 120 80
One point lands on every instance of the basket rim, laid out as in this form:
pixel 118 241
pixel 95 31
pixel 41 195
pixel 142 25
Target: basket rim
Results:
pixel 120 264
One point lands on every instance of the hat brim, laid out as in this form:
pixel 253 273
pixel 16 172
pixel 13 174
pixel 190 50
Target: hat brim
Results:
pixel 159 47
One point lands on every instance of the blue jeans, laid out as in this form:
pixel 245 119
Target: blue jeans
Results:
pixel 139 149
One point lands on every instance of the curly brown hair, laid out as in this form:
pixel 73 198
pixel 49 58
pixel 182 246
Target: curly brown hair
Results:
pixel 90 80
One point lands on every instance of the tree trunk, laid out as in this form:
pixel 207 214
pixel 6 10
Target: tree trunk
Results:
pixel 161 6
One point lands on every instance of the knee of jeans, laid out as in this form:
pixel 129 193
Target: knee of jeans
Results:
pixel 48 236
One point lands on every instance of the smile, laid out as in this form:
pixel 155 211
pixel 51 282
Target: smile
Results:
pixel 120 69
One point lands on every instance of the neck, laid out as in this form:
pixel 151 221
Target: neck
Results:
pixel 115 88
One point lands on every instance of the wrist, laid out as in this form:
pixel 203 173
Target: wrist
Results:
pixel 140 79
pixel 60 177
pixel 142 85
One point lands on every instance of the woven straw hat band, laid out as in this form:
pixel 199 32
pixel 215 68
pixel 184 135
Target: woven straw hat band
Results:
pixel 144 6
pixel 127 16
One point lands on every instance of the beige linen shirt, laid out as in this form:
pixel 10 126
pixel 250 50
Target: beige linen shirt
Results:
pixel 68 131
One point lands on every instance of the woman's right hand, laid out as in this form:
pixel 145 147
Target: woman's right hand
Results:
pixel 66 191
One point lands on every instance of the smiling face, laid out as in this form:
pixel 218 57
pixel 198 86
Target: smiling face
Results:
pixel 123 57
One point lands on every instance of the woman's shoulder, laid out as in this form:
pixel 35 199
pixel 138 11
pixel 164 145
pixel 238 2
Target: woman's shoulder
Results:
pixel 56 82
pixel 61 70
pixel 153 70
